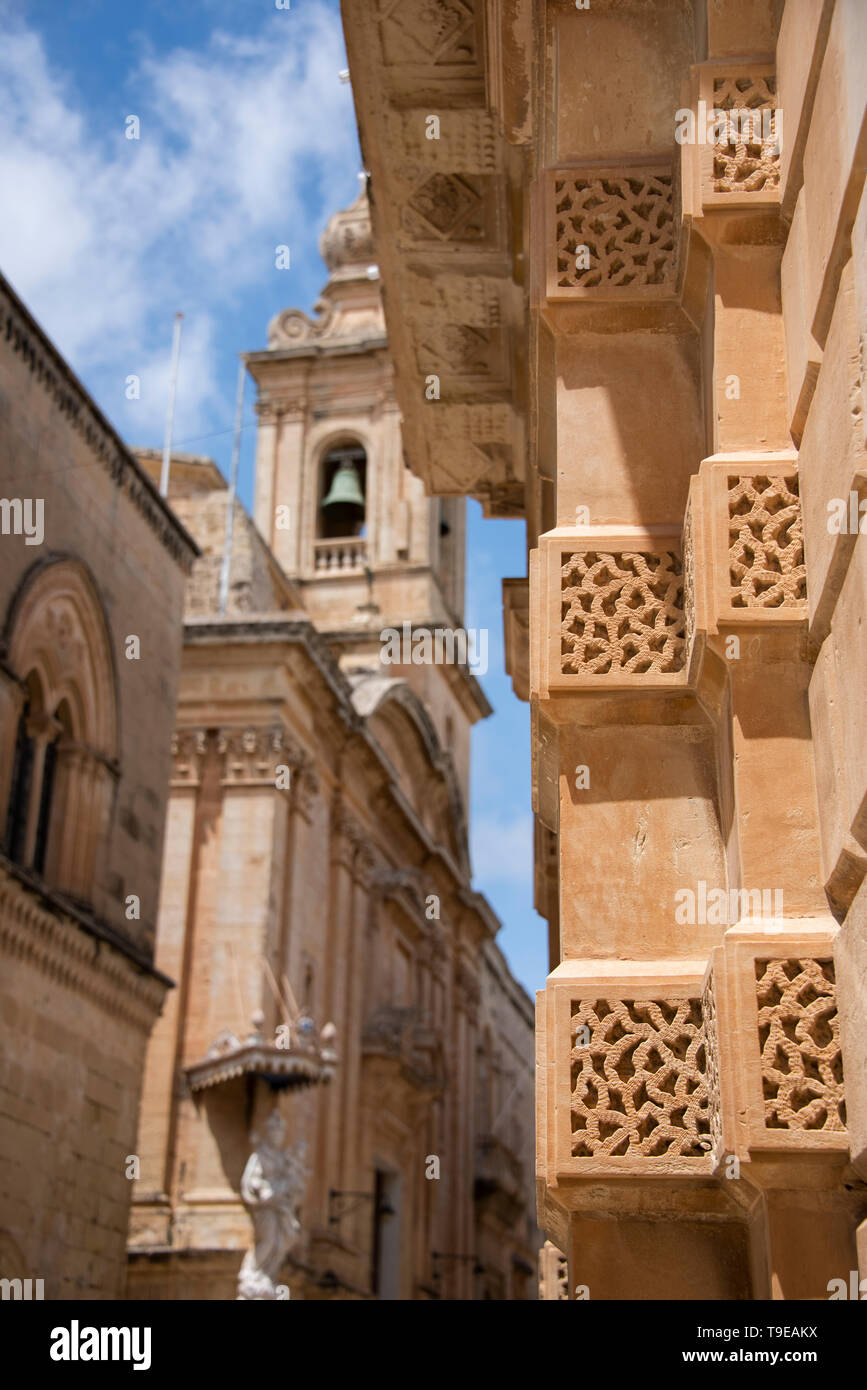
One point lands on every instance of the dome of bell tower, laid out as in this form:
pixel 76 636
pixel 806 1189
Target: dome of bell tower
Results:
pixel 347 242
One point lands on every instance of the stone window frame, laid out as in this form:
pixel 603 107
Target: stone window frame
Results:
pixel 319 447
pixel 59 654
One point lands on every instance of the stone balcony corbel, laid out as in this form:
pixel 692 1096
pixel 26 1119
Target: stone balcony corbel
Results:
pixel 610 603
pixel 777 1038
pixel 730 164
pixel 696 1088
pixel 744 544
pixel 747 589
pixel 622 220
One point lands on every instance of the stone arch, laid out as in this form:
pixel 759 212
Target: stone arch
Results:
pixel 62 736
pixel 348 447
pixel 371 697
pixel 57 626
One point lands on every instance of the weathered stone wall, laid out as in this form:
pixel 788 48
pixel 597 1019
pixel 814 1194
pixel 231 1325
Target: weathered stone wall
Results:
pixel 78 992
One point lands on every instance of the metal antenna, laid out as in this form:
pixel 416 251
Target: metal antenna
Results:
pixel 233 487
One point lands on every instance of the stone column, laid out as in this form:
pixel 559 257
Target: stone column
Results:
pixel 344 837
pixel 42 729
pixel 266 468
pixel 11 702
pixel 354 1022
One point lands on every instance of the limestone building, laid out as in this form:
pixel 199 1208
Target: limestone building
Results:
pixel 628 237
pixel 92 573
pixel 333 964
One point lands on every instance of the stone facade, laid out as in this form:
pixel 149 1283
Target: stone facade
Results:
pixel 640 231
pixel 85 729
pixel 316 888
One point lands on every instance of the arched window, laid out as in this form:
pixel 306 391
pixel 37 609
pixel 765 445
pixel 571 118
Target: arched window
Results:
pixel 19 792
pixel 60 743
pixel 342 509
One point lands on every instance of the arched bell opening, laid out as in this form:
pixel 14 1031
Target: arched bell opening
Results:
pixel 342 511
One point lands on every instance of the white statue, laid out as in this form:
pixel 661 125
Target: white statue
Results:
pixel 272 1188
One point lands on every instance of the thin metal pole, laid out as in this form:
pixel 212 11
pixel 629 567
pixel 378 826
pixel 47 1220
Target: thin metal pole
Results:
pixel 233 487
pixel 170 418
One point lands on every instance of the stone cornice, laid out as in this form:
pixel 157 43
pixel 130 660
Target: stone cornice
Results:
pixel 22 334
pixel 463 676
pixel 300 632
pixel 80 954
pixel 337 347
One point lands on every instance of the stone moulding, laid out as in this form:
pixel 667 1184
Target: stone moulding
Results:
pixel 751 551
pixel 466 141
pixel 626 218
pixel 433 35
pixel 249 755
pixel 77 959
pixel 638 1098
pixel 612 605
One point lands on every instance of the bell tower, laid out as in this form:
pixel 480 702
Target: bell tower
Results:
pixel 334 499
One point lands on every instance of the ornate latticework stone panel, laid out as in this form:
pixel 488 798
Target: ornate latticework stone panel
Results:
pixel 766 542
pixel 688 552
pixel 708 1012
pixel 626 222
pixel 799 1037
pixel 746 156
pixel 621 612
pixel 640 1086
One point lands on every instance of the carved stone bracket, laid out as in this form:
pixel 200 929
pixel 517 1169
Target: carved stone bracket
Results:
pixel 250 756
pixel 189 749
pixel 351 846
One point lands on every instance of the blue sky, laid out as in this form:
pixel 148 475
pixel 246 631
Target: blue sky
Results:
pixel 248 141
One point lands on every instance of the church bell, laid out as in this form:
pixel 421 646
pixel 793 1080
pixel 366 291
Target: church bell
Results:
pixel 345 488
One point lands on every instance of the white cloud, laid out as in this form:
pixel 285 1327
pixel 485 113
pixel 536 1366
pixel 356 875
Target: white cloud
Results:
pixel 244 144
